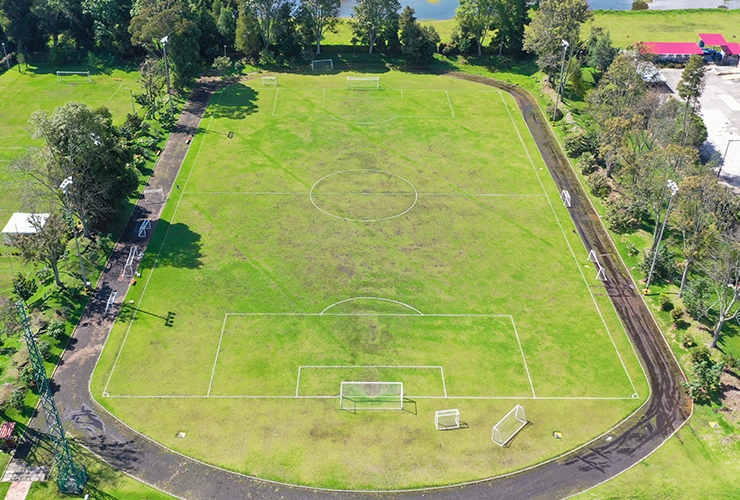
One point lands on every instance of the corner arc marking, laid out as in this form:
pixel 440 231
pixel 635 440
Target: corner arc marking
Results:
pixel 373 298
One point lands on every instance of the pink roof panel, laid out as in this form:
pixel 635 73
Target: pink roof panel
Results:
pixel 712 39
pixel 681 48
pixel 732 49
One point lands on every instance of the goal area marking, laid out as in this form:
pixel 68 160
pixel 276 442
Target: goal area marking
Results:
pixel 365 367
pixel 61 74
pixel 318 63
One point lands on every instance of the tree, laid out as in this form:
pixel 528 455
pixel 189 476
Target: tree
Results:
pixel 599 48
pixel 477 17
pixel 553 21
pixel 418 43
pixel 81 143
pixel 375 21
pixel 265 13
pixel 17 22
pixel 722 270
pixel 706 383
pixel 9 323
pixel 247 34
pixel 24 287
pixel 47 245
pixel 152 80
pixel 225 21
pixel 320 16
pixel 513 15
pixel 111 19
pixel 690 88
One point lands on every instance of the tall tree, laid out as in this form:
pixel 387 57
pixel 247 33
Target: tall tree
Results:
pixel 247 38
pixel 47 245
pixel 266 13
pixel 320 17
pixel 553 21
pixel 111 19
pixel 690 88
pixel 513 16
pixel 722 270
pixel 374 21
pixel 418 43
pixel 16 19
pixel 477 17
pixel 600 50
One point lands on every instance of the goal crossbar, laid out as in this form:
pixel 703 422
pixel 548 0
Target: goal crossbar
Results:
pixel 363 82
pixel 371 396
pixel 60 74
pixel 509 426
pixel 321 62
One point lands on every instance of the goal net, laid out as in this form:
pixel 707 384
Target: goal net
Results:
pixel 134 256
pixel 83 74
pixel 509 426
pixel 269 80
pixel 322 65
pixel 363 82
pixel 447 419
pixel 371 396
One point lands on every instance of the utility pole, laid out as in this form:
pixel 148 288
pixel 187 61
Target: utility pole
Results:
pixel 133 108
pixel 674 190
pixel 71 476
pixel 64 186
pixel 565 45
pixel 167 70
pixel 5 51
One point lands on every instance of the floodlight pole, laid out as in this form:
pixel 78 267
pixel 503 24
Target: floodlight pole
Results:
pixel 167 70
pixel 133 108
pixel 64 186
pixel 724 156
pixel 224 50
pixel 674 190
pixel 7 61
pixel 565 45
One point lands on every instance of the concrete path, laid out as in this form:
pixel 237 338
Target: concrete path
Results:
pixel 18 490
pixel 665 411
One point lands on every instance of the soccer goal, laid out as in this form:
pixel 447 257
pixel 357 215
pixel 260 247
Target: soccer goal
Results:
pixel 363 83
pixel 565 196
pixel 322 65
pixel 134 255
pixel 447 419
pixel 269 80
pixel 371 396
pixel 146 224
pixel 111 301
pixel 62 74
pixel 509 426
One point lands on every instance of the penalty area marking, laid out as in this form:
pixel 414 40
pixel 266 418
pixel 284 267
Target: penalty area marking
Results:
pixel 358 367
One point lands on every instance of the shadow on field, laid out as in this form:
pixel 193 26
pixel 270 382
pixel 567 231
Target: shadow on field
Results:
pixel 236 103
pixel 181 249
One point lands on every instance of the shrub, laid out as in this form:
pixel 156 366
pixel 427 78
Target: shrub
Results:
pixel 665 302
pixel 18 398
pixel 222 64
pixel 701 355
pixel 56 329
pixel 132 126
pixel 677 315
pixel 26 375
pixel 706 384
pixel 619 216
pixel 599 185
pixel 44 275
pixel 632 249
pixel 688 341
pixel 44 349
pixel 24 287
pixel 731 361
pixel 696 297
pixel 580 142
pixel 587 163
pixel 551 109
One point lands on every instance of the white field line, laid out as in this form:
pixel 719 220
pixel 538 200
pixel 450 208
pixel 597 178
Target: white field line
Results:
pixel 303 193
pixel 567 242
pixel 114 93
pixel 218 350
pixel 373 298
pixel 444 384
pixel 462 398
pixel 354 367
pixel 524 360
pixel 19 89
pixel 274 105
pixel 450 103
pixel 151 273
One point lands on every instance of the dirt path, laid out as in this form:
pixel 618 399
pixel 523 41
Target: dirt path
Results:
pixel 184 477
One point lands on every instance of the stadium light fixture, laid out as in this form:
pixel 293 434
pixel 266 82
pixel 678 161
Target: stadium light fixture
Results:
pixel 674 190
pixel 64 186
pixel 164 41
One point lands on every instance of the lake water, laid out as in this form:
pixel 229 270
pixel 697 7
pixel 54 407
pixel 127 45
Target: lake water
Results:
pixel 445 9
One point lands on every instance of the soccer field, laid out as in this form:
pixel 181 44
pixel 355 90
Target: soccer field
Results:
pixel 408 234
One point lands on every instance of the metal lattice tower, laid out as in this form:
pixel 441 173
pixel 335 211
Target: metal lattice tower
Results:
pixel 71 477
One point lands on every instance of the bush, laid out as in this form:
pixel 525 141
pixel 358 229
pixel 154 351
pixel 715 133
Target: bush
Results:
pixel 44 349
pixel 587 163
pixel 18 398
pixel 706 385
pixel 222 64
pixel 44 275
pixel 551 109
pixel 619 216
pixel 132 126
pixel 599 185
pixel 665 265
pixel 632 250
pixel 580 142
pixel 677 315
pixel 24 287
pixel 701 355
pixel 731 361
pixel 665 302
pixel 56 329
pixel 688 341
pixel 26 376
pixel 696 297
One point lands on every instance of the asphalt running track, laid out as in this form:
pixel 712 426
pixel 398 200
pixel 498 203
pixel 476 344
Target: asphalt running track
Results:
pixel 122 447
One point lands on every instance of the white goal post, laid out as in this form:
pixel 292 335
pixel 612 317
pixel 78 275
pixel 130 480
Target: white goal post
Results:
pixel 363 82
pixel 269 80
pixel 60 74
pixel 565 196
pixel 509 426
pixel 371 396
pixel 322 64
pixel 447 419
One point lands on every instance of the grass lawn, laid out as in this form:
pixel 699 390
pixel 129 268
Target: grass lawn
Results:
pixel 628 27
pixel 409 234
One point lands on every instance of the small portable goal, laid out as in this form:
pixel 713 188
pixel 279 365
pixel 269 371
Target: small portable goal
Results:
pixel 146 224
pixel 363 83
pixel 85 74
pixel 269 80
pixel 355 396
pixel 509 426
pixel 134 255
pixel 322 65
pixel 565 196
pixel 447 419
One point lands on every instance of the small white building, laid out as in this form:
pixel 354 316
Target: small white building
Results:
pixel 23 223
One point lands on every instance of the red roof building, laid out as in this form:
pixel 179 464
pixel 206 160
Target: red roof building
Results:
pixel 673 48
pixel 712 39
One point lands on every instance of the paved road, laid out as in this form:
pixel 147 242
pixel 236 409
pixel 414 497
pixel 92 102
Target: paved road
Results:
pixel 181 476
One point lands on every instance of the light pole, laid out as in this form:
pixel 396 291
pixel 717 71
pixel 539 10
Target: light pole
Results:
pixel 724 156
pixel 224 50
pixel 565 45
pixel 7 61
pixel 674 189
pixel 133 108
pixel 167 70
pixel 64 186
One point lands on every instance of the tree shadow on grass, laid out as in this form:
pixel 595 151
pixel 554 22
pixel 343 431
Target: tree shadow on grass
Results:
pixel 181 249
pixel 236 103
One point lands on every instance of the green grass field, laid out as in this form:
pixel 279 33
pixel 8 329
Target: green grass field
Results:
pixel 405 234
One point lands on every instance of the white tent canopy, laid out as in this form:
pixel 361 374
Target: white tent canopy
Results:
pixel 23 223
